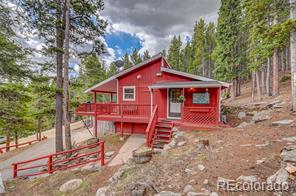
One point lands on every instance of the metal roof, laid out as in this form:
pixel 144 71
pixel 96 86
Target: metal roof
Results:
pixel 193 84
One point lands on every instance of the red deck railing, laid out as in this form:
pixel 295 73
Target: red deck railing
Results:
pixel 50 163
pixel 150 130
pixel 5 148
pixel 112 109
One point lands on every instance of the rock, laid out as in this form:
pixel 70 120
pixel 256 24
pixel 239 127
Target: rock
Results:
pixel 195 194
pixel 142 155
pixel 288 154
pixel 289 139
pixel 167 193
pixel 116 176
pixel 2 188
pixel 214 194
pixel 279 177
pixel 188 188
pixel 261 116
pixel 71 185
pixel 192 181
pixel 247 179
pixel 243 124
pixel 91 167
pixel 206 182
pixel 262 145
pixel 258 162
pixel 92 141
pixel 170 145
pixel 190 171
pixel 142 188
pixel 241 115
pixel 245 145
pixel 282 122
pixel 102 191
pixel 290 168
pixel 200 167
pixel 109 153
pixel 182 143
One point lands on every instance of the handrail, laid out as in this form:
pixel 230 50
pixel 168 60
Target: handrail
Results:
pixel 150 130
pixel 52 165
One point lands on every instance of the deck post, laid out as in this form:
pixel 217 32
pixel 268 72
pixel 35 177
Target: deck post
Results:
pixel 50 171
pixel 14 170
pixel 96 126
pixel 102 152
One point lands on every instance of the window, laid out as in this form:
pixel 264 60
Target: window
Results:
pixel 201 98
pixel 129 93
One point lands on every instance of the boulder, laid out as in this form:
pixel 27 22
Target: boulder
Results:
pixel 182 143
pixel 241 115
pixel 289 139
pixel 142 155
pixel 143 188
pixel 288 154
pixel 262 115
pixel 71 185
pixel 243 124
pixel 247 179
pixel 196 194
pixel 170 145
pixel 102 191
pixel 2 188
pixel 206 182
pixel 282 122
pixel 290 168
pixel 201 167
pixel 188 188
pixel 167 193
pixel 109 153
pixel 214 194
pixel 279 177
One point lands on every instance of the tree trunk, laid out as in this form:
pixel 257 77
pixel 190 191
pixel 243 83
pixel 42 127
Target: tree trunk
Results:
pixel 293 55
pixel 268 75
pixel 67 117
pixel 263 87
pixel 59 79
pixel 253 86
pixel 8 138
pixel 39 129
pixel 258 85
pixel 16 138
pixel 233 89
pixel 275 73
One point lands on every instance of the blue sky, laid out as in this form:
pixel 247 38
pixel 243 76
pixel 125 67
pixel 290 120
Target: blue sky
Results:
pixel 122 42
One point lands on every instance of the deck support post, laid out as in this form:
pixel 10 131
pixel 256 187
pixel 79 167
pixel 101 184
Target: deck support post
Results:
pixel 95 117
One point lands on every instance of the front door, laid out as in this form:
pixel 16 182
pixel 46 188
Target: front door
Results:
pixel 174 107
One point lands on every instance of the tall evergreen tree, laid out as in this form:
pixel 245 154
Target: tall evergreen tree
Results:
pixel 174 53
pixel 126 61
pixel 185 56
pixel 146 55
pixel 229 38
pixel 135 57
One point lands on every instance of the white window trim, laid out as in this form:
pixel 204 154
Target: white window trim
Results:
pixel 123 93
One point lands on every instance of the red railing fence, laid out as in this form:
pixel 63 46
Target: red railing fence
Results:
pixel 6 148
pixel 141 110
pixel 150 130
pixel 51 163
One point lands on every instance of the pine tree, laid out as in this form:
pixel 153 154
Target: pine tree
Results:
pixel 174 54
pixel 185 56
pixel 112 70
pixel 227 53
pixel 127 62
pixel 146 55
pixel 293 54
pixel 208 49
pixel 135 57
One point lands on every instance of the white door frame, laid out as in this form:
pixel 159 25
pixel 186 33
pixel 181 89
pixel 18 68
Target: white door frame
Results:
pixel 168 105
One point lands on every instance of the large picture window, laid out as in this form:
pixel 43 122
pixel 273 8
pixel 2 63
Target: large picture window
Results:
pixel 129 93
pixel 201 98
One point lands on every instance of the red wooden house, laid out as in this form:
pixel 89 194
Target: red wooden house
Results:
pixel 148 98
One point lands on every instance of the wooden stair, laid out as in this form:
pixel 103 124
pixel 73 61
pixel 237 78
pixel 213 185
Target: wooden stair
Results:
pixel 163 134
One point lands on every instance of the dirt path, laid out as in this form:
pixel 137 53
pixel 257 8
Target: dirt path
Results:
pixel 42 148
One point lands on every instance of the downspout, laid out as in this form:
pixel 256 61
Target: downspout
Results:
pixel 151 101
